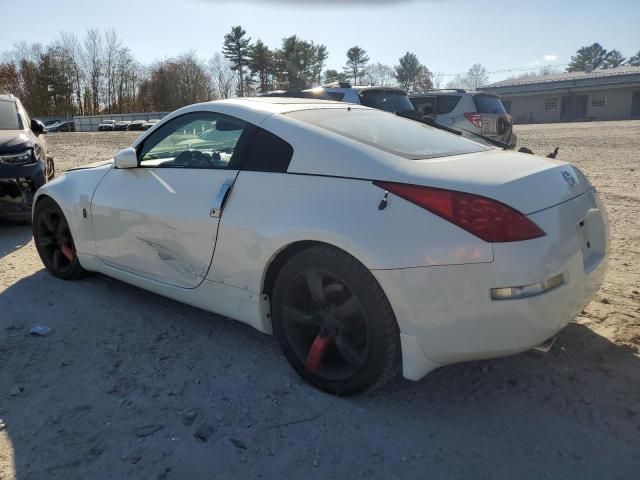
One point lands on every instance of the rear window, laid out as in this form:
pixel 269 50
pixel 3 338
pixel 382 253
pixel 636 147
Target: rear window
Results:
pixel 488 104
pixel 9 119
pixel 387 100
pixel 391 133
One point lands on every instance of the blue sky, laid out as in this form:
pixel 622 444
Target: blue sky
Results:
pixel 447 35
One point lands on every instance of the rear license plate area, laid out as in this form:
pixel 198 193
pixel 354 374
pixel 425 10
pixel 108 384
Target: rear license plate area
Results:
pixel 489 126
pixel 591 234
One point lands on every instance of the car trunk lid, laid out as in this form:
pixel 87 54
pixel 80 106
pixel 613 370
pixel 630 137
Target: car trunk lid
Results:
pixel 525 182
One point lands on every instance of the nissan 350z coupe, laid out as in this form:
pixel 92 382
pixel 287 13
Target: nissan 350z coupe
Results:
pixel 366 242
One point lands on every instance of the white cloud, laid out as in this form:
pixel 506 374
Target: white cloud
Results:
pixel 550 57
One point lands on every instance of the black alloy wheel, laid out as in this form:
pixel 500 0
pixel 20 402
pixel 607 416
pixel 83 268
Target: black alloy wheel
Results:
pixel 326 324
pixel 54 241
pixel 334 323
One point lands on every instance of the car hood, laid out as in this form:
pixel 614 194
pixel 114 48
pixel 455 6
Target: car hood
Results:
pixel 12 141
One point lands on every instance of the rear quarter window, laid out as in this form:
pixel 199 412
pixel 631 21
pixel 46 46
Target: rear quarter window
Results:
pixel 268 153
pixel 446 103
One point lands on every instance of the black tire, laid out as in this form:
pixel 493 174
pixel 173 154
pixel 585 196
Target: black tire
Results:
pixel 366 330
pixel 50 233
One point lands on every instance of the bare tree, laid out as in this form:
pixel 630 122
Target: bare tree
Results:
pixel 113 44
pixel 93 68
pixel 380 75
pixel 71 51
pixel 438 80
pixel 223 78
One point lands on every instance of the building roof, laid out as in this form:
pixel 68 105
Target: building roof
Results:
pixel 600 76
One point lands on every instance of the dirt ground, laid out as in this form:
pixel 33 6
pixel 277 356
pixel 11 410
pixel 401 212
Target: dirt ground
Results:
pixel 131 385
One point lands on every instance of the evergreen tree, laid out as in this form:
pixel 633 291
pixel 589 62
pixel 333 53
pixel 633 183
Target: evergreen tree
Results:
pixel 331 76
pixel 614 59
pixel 299 63
pixel 635 60
pixel 236 49
pixel 357 60
pixel 262 65
pixel 407 70
pixel 593 55
pixel 320 55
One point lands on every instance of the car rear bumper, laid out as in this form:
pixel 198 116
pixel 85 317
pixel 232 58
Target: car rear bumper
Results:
pixel 447 315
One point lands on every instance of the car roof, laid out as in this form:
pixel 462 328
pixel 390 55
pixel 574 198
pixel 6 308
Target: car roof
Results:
pixel 272 105
pixel 8 98
pixel 257 109
pixel 360 88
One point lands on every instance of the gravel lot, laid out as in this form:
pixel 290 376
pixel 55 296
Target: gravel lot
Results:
pixel 132 385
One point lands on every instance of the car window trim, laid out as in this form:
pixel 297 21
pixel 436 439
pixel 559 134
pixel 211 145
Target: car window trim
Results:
pixel 233 162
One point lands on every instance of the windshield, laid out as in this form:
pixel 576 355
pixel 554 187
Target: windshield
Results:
pixel 9 119
pixel 391 133
pixel 488 104
pixel 387 100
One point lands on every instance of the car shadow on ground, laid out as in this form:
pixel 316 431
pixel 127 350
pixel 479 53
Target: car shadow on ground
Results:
pixel 13 235
pixel 132 385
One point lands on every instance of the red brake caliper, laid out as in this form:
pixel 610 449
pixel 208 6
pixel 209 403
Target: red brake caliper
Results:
pixel 67 251
pixel 317 351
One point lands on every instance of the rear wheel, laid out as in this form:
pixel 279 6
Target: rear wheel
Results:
pixel 334 322
pixel 54 242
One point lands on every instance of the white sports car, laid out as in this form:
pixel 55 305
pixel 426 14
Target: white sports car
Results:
pixel 364 241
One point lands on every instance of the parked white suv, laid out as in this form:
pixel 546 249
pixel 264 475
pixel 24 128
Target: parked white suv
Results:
pixel 478 113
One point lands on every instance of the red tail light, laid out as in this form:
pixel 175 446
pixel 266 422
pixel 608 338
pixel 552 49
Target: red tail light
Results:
pixel 475 118
pixel 488 219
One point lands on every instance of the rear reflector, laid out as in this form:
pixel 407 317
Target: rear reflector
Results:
pixel 523 291
pixel 475 118
pixel 488 219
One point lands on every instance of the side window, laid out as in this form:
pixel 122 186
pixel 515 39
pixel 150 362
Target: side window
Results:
pixel 268 153
pixel 425 105
pixel 194 140
pixel 446 103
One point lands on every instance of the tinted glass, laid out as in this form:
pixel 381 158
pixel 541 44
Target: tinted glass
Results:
pixel 488 104
pixel 338 96
pixel 8 116
pixel 446 103
pixel 268 153
pixel 387 100
pixel 199 140
pixel 391 133
pixel 425 105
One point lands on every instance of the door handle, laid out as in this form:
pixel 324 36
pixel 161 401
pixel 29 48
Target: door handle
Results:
pixel 221 197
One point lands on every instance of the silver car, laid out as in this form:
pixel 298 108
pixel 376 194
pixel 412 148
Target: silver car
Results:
pixel 472 113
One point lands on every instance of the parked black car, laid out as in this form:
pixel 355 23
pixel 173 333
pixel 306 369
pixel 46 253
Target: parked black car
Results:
pixel 122 125
pixel 137 125
pixel 24 163
pixel 68 126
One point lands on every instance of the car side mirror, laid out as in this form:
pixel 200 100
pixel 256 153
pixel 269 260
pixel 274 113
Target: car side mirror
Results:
pixel 37 127
pixel 127 158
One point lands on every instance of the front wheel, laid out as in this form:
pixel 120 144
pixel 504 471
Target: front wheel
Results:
pixel 334 322
pixel 54 241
